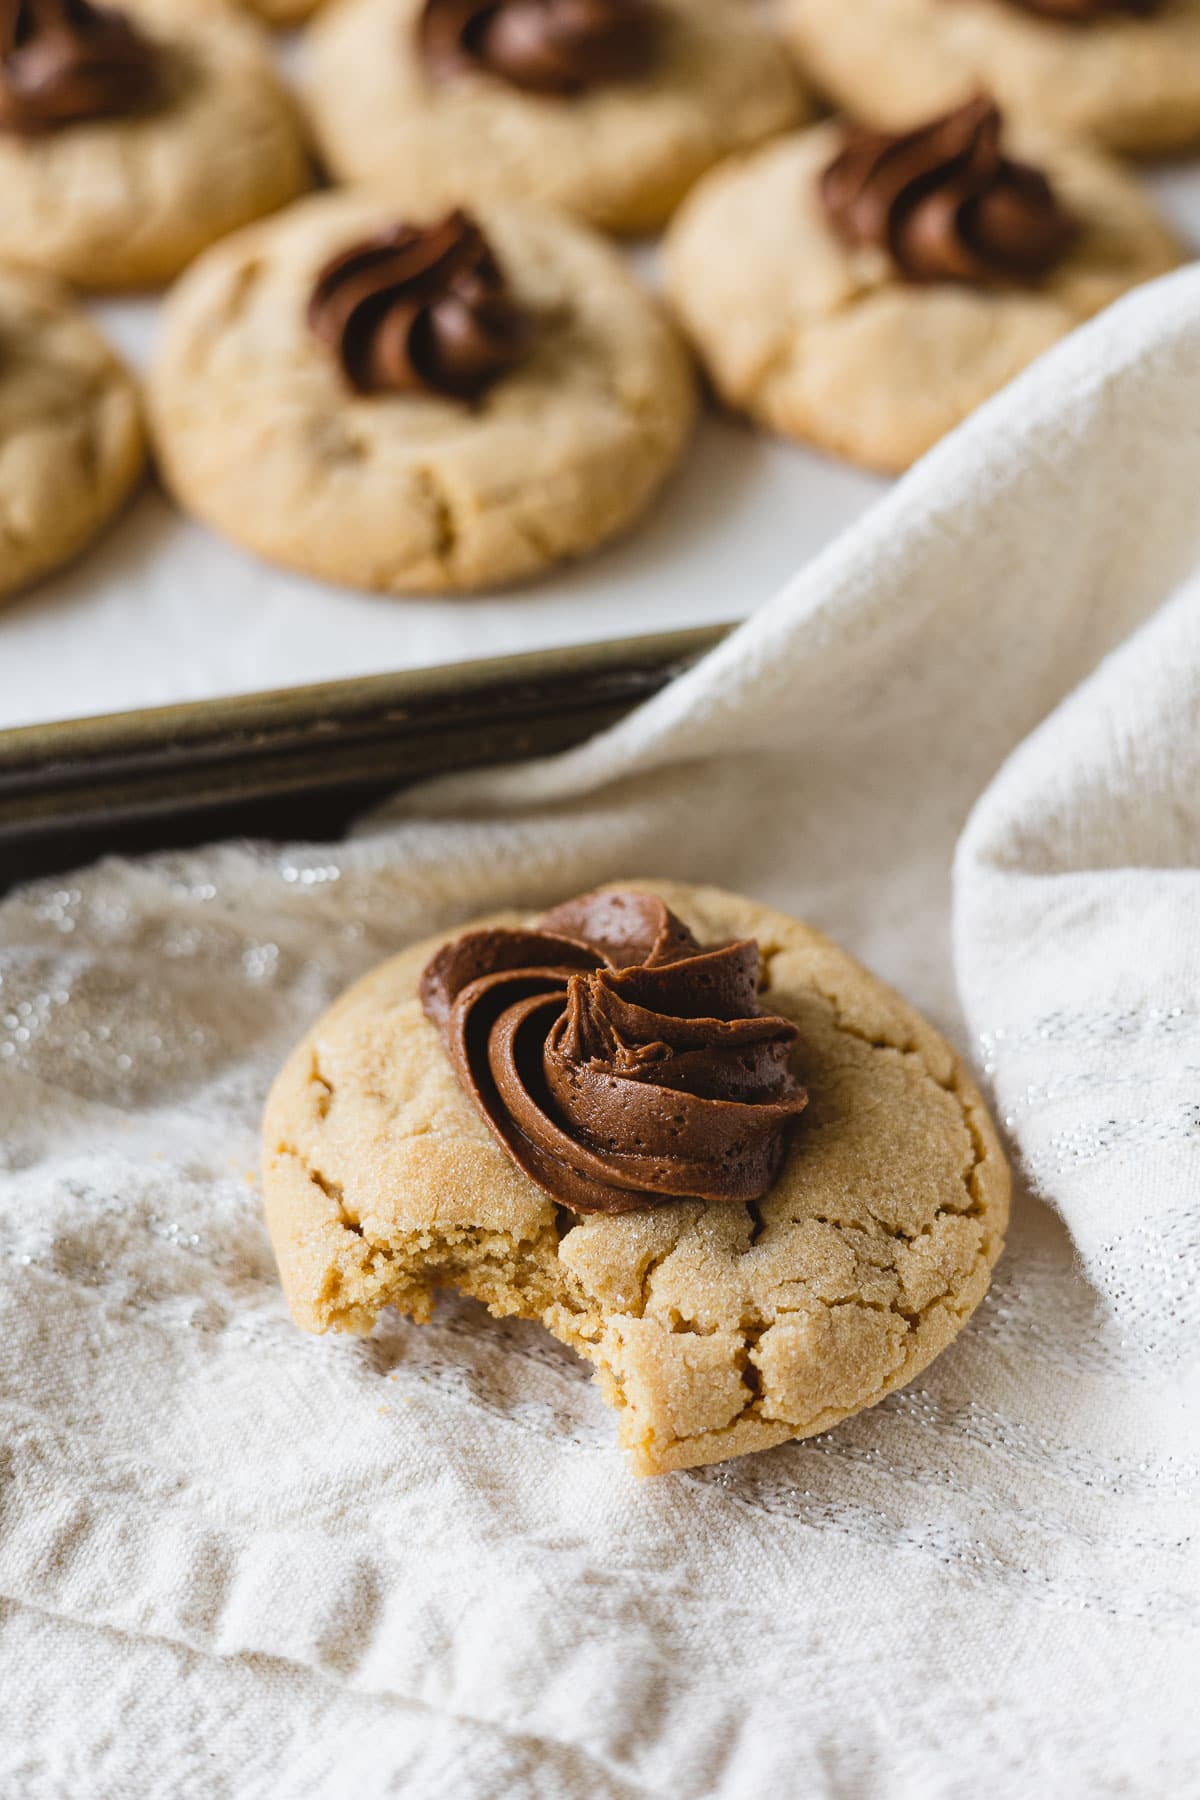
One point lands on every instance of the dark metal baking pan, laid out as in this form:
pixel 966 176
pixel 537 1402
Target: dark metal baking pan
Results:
pixel 301 761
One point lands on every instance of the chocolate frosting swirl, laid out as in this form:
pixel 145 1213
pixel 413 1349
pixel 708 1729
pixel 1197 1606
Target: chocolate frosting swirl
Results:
pixel 619 1063
pixel 65 60
pixel 1086 12
pixel 946 202
pixel 546 46
pixel 420 310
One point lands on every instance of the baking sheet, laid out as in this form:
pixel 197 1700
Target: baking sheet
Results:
pixel 164 611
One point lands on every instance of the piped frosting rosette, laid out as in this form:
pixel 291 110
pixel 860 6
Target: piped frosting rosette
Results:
pixel 620 1063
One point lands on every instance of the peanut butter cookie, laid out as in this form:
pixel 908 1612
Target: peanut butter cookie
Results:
pixel 417 408
pixel 866 291
pixel 131 139
pixel 610 109
pixel 526 1112
pixel 285 12
pixel 71 445
pixel 1124 73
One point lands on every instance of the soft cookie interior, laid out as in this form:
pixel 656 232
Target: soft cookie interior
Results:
pixel 713 1329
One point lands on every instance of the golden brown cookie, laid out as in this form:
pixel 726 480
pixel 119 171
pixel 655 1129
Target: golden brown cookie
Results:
pixel 285 12
pixel 279 14
pixel 1129 82
pixel 715 1327
pixel 619 153
pixel 71 444
pixel 138 152
pixel 829 342
pixel 261 432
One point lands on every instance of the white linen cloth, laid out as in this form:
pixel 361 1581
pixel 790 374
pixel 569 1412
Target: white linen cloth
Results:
pixel 237 1561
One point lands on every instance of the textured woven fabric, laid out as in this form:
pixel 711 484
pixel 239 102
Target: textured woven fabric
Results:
pixel 236 1561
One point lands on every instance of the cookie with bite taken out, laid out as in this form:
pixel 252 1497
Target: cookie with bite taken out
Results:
pixel 688 1133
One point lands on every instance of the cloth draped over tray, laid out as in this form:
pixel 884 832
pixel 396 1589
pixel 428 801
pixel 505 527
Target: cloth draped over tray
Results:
pixel 234 1560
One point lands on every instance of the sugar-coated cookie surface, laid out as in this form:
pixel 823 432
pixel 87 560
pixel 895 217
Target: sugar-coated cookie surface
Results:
pixel 619 154
pixel 71 442
pixel 258 433
pixel 127 201
pixel 715 1329
pixel 1128 82
pixel 830 344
